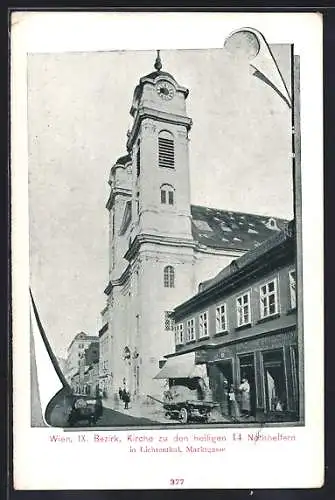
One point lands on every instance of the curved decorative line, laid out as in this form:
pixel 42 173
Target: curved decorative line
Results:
pixel 262 62
pixel 48 347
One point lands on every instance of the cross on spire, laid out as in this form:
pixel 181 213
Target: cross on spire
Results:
pixel 158 62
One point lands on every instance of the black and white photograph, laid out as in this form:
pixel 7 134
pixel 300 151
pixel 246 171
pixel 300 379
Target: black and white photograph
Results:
pixel 166 261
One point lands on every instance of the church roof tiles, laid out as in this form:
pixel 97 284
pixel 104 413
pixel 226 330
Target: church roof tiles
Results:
pixel 217 228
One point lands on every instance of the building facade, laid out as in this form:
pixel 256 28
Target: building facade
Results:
pixel 160 246
pixel 92 353
pixel 243 323
pixel 76 352
pixel 105 373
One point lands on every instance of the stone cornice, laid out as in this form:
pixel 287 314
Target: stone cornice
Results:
pixel 177 242
pixel 117 282
pixel 103 330
pixel 108 288
pixel 211 346
pixel 122 166
pixel 116 192
pixel 162 116
pixel 105 309
pixel 224 252
pixel 158 240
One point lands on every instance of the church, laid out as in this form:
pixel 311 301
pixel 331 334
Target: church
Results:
pixel 161 248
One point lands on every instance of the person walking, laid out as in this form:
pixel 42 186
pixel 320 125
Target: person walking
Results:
pixel 126 399
pixel 120 393
pixel 245 397
pixel 234 410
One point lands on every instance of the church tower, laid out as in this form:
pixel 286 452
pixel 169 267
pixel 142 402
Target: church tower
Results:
pixel 160 258
pixel 158 144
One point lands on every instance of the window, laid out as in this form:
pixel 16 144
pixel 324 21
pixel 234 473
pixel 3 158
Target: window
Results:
pixel 170 197
pixel 167 195
pixel 168 321
pixel 165 149
pixel 268 299
pixel 221 319
pixel 275 380
pixel 243 309
pixel 292 285
pixel 169 277
pixel 190 330
pixel 203 324
pixel 179 334
pixel 138 159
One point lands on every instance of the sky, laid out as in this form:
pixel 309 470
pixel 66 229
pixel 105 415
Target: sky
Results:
pixel 78 116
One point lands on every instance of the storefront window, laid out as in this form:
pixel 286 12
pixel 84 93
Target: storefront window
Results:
pixel 275 382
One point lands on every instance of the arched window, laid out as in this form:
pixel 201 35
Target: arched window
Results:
pixel 169 277
pixel 165 149
pixel 167 194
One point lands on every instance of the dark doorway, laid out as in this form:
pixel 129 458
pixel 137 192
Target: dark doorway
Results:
pixel 247 370
pixel 274 379
pixel 221 378
pixel 226 368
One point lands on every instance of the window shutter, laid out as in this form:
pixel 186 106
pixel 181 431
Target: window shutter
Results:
pixel 165 152
pixel 170 197
pixel 163 196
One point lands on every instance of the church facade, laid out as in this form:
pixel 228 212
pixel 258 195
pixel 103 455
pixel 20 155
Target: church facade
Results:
pixel 161 248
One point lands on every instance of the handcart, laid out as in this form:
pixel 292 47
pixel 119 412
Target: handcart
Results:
pixel 187 411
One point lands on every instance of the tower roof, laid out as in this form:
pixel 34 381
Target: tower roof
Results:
pixel 150 78
pixel 155 74
pixel 158 67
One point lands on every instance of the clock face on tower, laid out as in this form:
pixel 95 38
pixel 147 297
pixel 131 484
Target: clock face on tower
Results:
pixel 165 90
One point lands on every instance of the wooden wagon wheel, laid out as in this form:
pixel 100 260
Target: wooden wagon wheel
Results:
pixel 183 415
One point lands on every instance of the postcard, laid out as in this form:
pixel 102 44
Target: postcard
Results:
pixel 167 271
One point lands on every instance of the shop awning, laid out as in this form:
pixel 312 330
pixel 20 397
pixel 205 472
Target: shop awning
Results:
pixel 182 366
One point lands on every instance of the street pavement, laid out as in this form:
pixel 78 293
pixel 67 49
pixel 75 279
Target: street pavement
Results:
pixel 115 418
pixel 110 418
pixel 153 411
pixel 115 415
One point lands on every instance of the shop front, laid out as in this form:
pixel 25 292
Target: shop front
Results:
pixel 268 364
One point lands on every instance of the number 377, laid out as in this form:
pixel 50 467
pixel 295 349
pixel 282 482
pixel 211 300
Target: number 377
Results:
pixel 176 482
